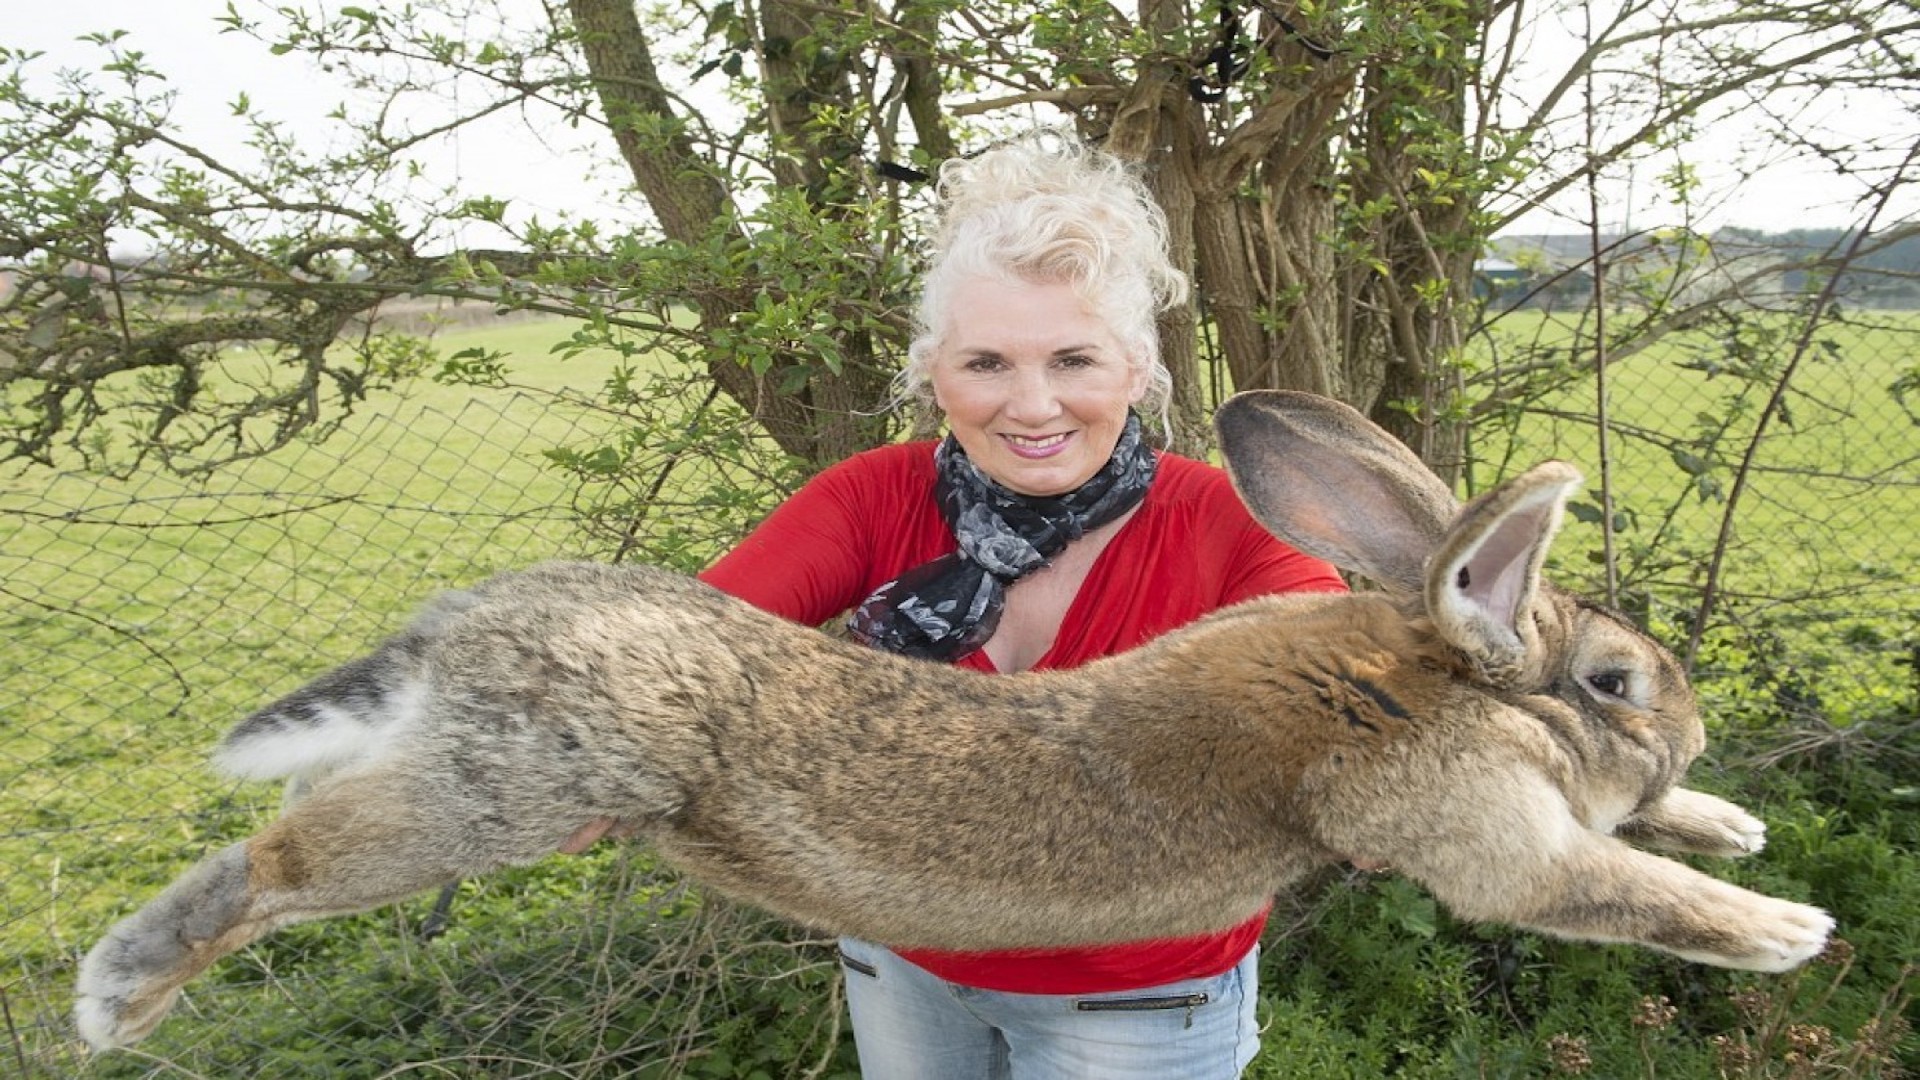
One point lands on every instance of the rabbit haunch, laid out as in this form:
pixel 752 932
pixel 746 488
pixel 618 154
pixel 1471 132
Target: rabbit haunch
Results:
pixel 1480 731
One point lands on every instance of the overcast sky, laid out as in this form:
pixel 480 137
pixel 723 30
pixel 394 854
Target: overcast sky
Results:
pixel 541 173
pixel 549 174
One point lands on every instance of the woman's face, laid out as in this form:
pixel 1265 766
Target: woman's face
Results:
pixel 1034 385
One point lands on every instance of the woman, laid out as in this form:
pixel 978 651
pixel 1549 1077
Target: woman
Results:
pixel 1042 532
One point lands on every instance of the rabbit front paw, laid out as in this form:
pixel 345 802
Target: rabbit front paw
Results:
pixel 1795 935
pixel 1740 832
pixel 1693 821
pixel 1779 935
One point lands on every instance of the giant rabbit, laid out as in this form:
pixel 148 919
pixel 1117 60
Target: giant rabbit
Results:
pixel 1486 734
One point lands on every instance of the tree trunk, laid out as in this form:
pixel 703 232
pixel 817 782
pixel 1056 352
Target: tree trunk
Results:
pixel 1264 224
pixel 1153 125
pixel 1407 302
pixel 831 416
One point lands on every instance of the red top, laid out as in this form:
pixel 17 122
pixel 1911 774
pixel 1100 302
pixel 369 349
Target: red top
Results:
pixel 1190 549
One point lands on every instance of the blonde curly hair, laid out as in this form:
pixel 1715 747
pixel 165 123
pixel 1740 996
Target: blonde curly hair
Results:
pixel 1045 207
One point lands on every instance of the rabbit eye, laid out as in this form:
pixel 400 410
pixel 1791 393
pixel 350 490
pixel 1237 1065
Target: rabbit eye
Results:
pixel 1610 683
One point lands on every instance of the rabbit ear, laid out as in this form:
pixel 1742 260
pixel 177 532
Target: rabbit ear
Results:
pixel 1328 481
pixel 1483 576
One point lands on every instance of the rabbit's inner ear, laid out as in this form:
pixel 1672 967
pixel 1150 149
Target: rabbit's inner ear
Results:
pixel 1482 579
pixel 1494 576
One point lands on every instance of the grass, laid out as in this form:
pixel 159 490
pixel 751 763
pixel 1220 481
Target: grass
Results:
pixel 1846 455
pixel 1823 548
pixel 144 616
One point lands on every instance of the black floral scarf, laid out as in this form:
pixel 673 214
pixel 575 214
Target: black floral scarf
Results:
pixel 948 608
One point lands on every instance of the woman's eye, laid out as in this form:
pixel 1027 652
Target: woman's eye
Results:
pixel 1610 683
pixel 1076 360
pixel 984 365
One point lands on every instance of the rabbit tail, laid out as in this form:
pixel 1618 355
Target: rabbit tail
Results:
pixel 351 714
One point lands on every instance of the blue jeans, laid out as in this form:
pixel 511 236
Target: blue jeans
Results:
pixel 912 1025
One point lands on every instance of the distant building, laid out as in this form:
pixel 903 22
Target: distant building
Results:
pixel 1499 280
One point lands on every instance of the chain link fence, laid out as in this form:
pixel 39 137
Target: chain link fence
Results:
pixel 144 616
pixel 1763 482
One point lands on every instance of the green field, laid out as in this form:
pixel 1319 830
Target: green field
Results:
pixel 1824 545
pixel 144 616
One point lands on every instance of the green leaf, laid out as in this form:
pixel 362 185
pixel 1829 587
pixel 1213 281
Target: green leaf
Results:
pixel 1691 464
pixel 793 380
pixel 1586 512
pixel 1404 905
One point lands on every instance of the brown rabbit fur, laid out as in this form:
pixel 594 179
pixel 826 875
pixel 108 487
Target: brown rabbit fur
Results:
pixel 1482 732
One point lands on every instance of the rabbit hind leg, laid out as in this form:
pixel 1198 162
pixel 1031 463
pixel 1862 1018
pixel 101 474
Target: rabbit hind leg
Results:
pixel 355 844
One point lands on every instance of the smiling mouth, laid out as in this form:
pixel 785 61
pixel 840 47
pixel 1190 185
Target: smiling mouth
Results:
pixel 1032 446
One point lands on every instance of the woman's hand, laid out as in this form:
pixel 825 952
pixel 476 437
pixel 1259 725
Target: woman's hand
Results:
pixel 604 828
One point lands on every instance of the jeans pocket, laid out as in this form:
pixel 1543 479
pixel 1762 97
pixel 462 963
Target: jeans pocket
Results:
pixel 858 966
pixel 1145 1003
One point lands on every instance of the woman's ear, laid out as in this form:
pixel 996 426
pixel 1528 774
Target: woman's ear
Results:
pixel 1137 389
pixel 925 363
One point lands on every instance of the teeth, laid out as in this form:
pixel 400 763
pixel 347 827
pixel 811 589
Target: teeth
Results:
pixel 1037 443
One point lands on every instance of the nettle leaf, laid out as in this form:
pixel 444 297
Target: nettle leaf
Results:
pixel 1404 905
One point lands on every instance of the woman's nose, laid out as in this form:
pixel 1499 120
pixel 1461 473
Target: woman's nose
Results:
pixel 1032 398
